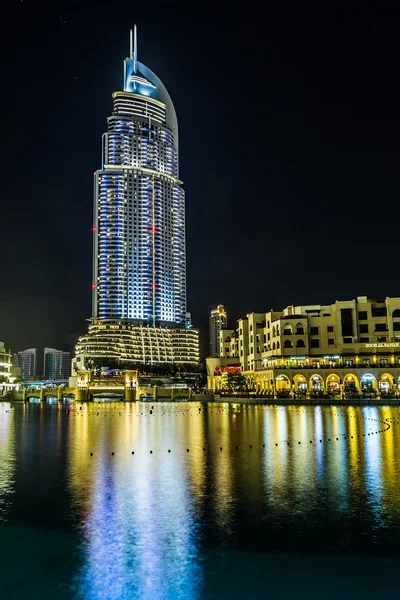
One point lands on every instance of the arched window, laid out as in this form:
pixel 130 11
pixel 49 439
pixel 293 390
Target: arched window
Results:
pixel 300 344
pixel 273 346
pixel 278 345
pixel 299 329
pixel 288 330
pixel 288 344
pixel 273 332
pixel 396 313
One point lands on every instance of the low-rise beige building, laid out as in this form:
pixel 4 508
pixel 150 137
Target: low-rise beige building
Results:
pixel 347 347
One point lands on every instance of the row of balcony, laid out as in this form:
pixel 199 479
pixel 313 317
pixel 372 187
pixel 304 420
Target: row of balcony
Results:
pixel 364 365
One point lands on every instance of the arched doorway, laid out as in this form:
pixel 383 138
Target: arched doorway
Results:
pixel 300 384
pixel 333 384
pixel 386 383
pixel 368 383
pixel 351 384
pixel 316 383
pixel 282 384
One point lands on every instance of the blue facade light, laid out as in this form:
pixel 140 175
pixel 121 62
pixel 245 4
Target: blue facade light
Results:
pixel 139 235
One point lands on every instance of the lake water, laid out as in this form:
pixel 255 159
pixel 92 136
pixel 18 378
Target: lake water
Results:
pixel 170 515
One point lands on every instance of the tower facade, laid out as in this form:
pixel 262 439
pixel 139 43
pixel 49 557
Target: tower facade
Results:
pixel 27 363
pixel 139 254
pixel 217 321
pixel 56 364
pixel 139 207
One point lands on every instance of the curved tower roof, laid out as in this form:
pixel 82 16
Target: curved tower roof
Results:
pixel 141 80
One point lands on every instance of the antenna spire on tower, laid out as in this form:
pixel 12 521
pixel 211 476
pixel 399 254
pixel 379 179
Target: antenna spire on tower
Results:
pixel 131 43
pixel 135 48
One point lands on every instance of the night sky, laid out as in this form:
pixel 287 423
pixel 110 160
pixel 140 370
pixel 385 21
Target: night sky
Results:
pixel 289 152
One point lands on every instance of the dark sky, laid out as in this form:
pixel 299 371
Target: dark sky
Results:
pixel 289 150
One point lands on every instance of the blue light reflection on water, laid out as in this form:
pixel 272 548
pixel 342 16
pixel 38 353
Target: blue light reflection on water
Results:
pixel 140 532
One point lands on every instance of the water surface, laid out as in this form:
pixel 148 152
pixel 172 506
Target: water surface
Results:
pixel 183 500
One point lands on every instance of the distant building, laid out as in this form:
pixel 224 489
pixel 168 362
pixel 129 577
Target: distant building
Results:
pixel 57 364
pixel 27 363
pixel 217 322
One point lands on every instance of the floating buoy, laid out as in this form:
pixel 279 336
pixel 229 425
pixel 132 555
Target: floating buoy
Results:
pixel 133 452
pixel 112 453
pixel 151 451
pixel 187 450
pixel 221 448
pixel 91 454
pixel 169 450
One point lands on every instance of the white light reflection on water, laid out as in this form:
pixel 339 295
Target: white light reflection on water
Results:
pixel 7 458
pixel 373 463
pixel 319 450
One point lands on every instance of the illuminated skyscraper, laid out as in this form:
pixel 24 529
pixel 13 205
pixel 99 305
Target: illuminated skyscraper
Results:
pixel 217 322
pixel 139 281
pixel 139 228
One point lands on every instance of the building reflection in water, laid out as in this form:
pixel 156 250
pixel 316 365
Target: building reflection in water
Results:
pixel 139 523
pixel 149 518
pixel 7 459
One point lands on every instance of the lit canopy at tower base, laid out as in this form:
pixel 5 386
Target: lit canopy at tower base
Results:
pixel 129 343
